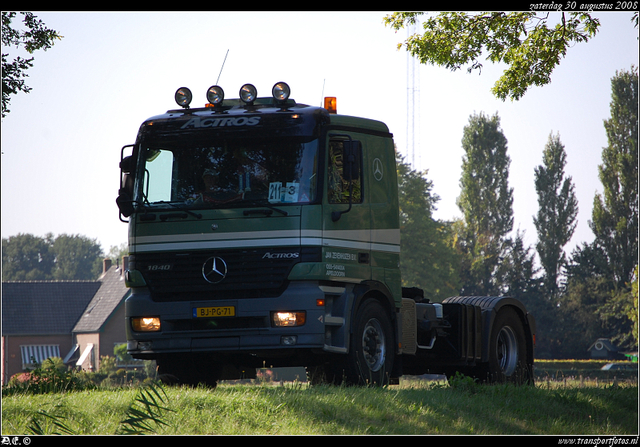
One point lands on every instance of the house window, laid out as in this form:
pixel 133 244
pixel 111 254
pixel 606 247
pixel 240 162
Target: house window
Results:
pixel 33 355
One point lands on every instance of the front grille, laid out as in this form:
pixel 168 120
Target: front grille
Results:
pixel 213 324
pixel 251 273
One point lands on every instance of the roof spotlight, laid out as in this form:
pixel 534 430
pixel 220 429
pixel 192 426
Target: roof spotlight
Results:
pixel 248 93
pixel 281 91
pixel 215 94
pixel 183 97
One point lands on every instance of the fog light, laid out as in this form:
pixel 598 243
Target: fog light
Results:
pixel 183 97
pixel 145 324
pixel 248 93
pixel 288 319
pixel 288 340
pixel 215 94
pixel 281 91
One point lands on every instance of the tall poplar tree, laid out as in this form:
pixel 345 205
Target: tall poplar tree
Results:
pixel 615 211
pixel 557 213
pixel 486 201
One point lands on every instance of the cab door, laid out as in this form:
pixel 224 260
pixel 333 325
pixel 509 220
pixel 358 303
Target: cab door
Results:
pixel 346 233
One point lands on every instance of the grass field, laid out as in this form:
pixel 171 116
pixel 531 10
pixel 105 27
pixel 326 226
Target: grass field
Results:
pixel 415 407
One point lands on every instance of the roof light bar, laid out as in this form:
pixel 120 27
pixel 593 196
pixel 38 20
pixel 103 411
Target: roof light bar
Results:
pixel 248 94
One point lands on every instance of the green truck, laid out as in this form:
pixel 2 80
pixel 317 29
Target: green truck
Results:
pixel 263 232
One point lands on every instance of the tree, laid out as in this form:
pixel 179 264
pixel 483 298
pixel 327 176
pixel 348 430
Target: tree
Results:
pixel 427 259
pixel 116 253
pixel 576 323
pixel 618 320
pixel 593 306
pixel 557 213
pixel 36 37
pixel 519 271
pixel 527 42
pixel 486 201
pixel 588 261
pixel 77 257
pixel 29 258
pixel 615 211
pixel 578 317
pixel 26 257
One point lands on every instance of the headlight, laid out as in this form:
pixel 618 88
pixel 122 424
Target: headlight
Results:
pixel 281 91
pixel 215 94
pixel 288 319
pixel 248 93
pixel 145 324
pixel 183 97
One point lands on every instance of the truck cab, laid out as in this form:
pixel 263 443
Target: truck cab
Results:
pixel 266 232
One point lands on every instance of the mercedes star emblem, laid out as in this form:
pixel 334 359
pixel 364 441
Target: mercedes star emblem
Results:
pixel 377 169
pixel 214 270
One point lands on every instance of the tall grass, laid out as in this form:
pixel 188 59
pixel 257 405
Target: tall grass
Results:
pixel 461 407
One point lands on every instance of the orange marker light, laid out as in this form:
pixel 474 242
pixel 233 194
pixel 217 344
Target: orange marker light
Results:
pixel 331 104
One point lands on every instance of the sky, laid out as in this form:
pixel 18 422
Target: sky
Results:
pixel 61 143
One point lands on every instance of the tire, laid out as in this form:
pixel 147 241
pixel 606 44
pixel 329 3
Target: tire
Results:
pixel 507 361
pixel 371 349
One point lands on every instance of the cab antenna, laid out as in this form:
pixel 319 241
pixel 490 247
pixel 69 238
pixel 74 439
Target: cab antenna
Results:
pixel 225 60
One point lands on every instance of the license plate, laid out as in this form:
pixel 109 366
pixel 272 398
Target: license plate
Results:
pixel 211 312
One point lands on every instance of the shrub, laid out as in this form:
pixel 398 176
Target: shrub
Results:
pixel 49 377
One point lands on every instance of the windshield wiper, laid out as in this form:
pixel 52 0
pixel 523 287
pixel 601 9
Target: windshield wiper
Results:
pixel 181 208
pixel 267 205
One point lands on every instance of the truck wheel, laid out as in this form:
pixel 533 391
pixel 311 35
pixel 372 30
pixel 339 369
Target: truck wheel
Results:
pixel 371 351
pixel 507 350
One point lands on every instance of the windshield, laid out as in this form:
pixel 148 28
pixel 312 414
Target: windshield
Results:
pixel 229 171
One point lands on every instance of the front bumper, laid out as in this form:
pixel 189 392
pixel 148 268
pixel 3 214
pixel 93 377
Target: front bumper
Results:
pixel 250 330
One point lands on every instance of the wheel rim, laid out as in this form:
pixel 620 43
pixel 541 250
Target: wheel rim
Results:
pixel 507 351
pixel 373 345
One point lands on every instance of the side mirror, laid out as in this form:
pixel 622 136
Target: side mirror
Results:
pixel 125 194
pixel 126 164
pixel 125 203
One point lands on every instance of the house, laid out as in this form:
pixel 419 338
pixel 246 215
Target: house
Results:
pixel 78 321
pixel 602 348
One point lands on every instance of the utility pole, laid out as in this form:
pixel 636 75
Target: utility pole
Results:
pixel 413 103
